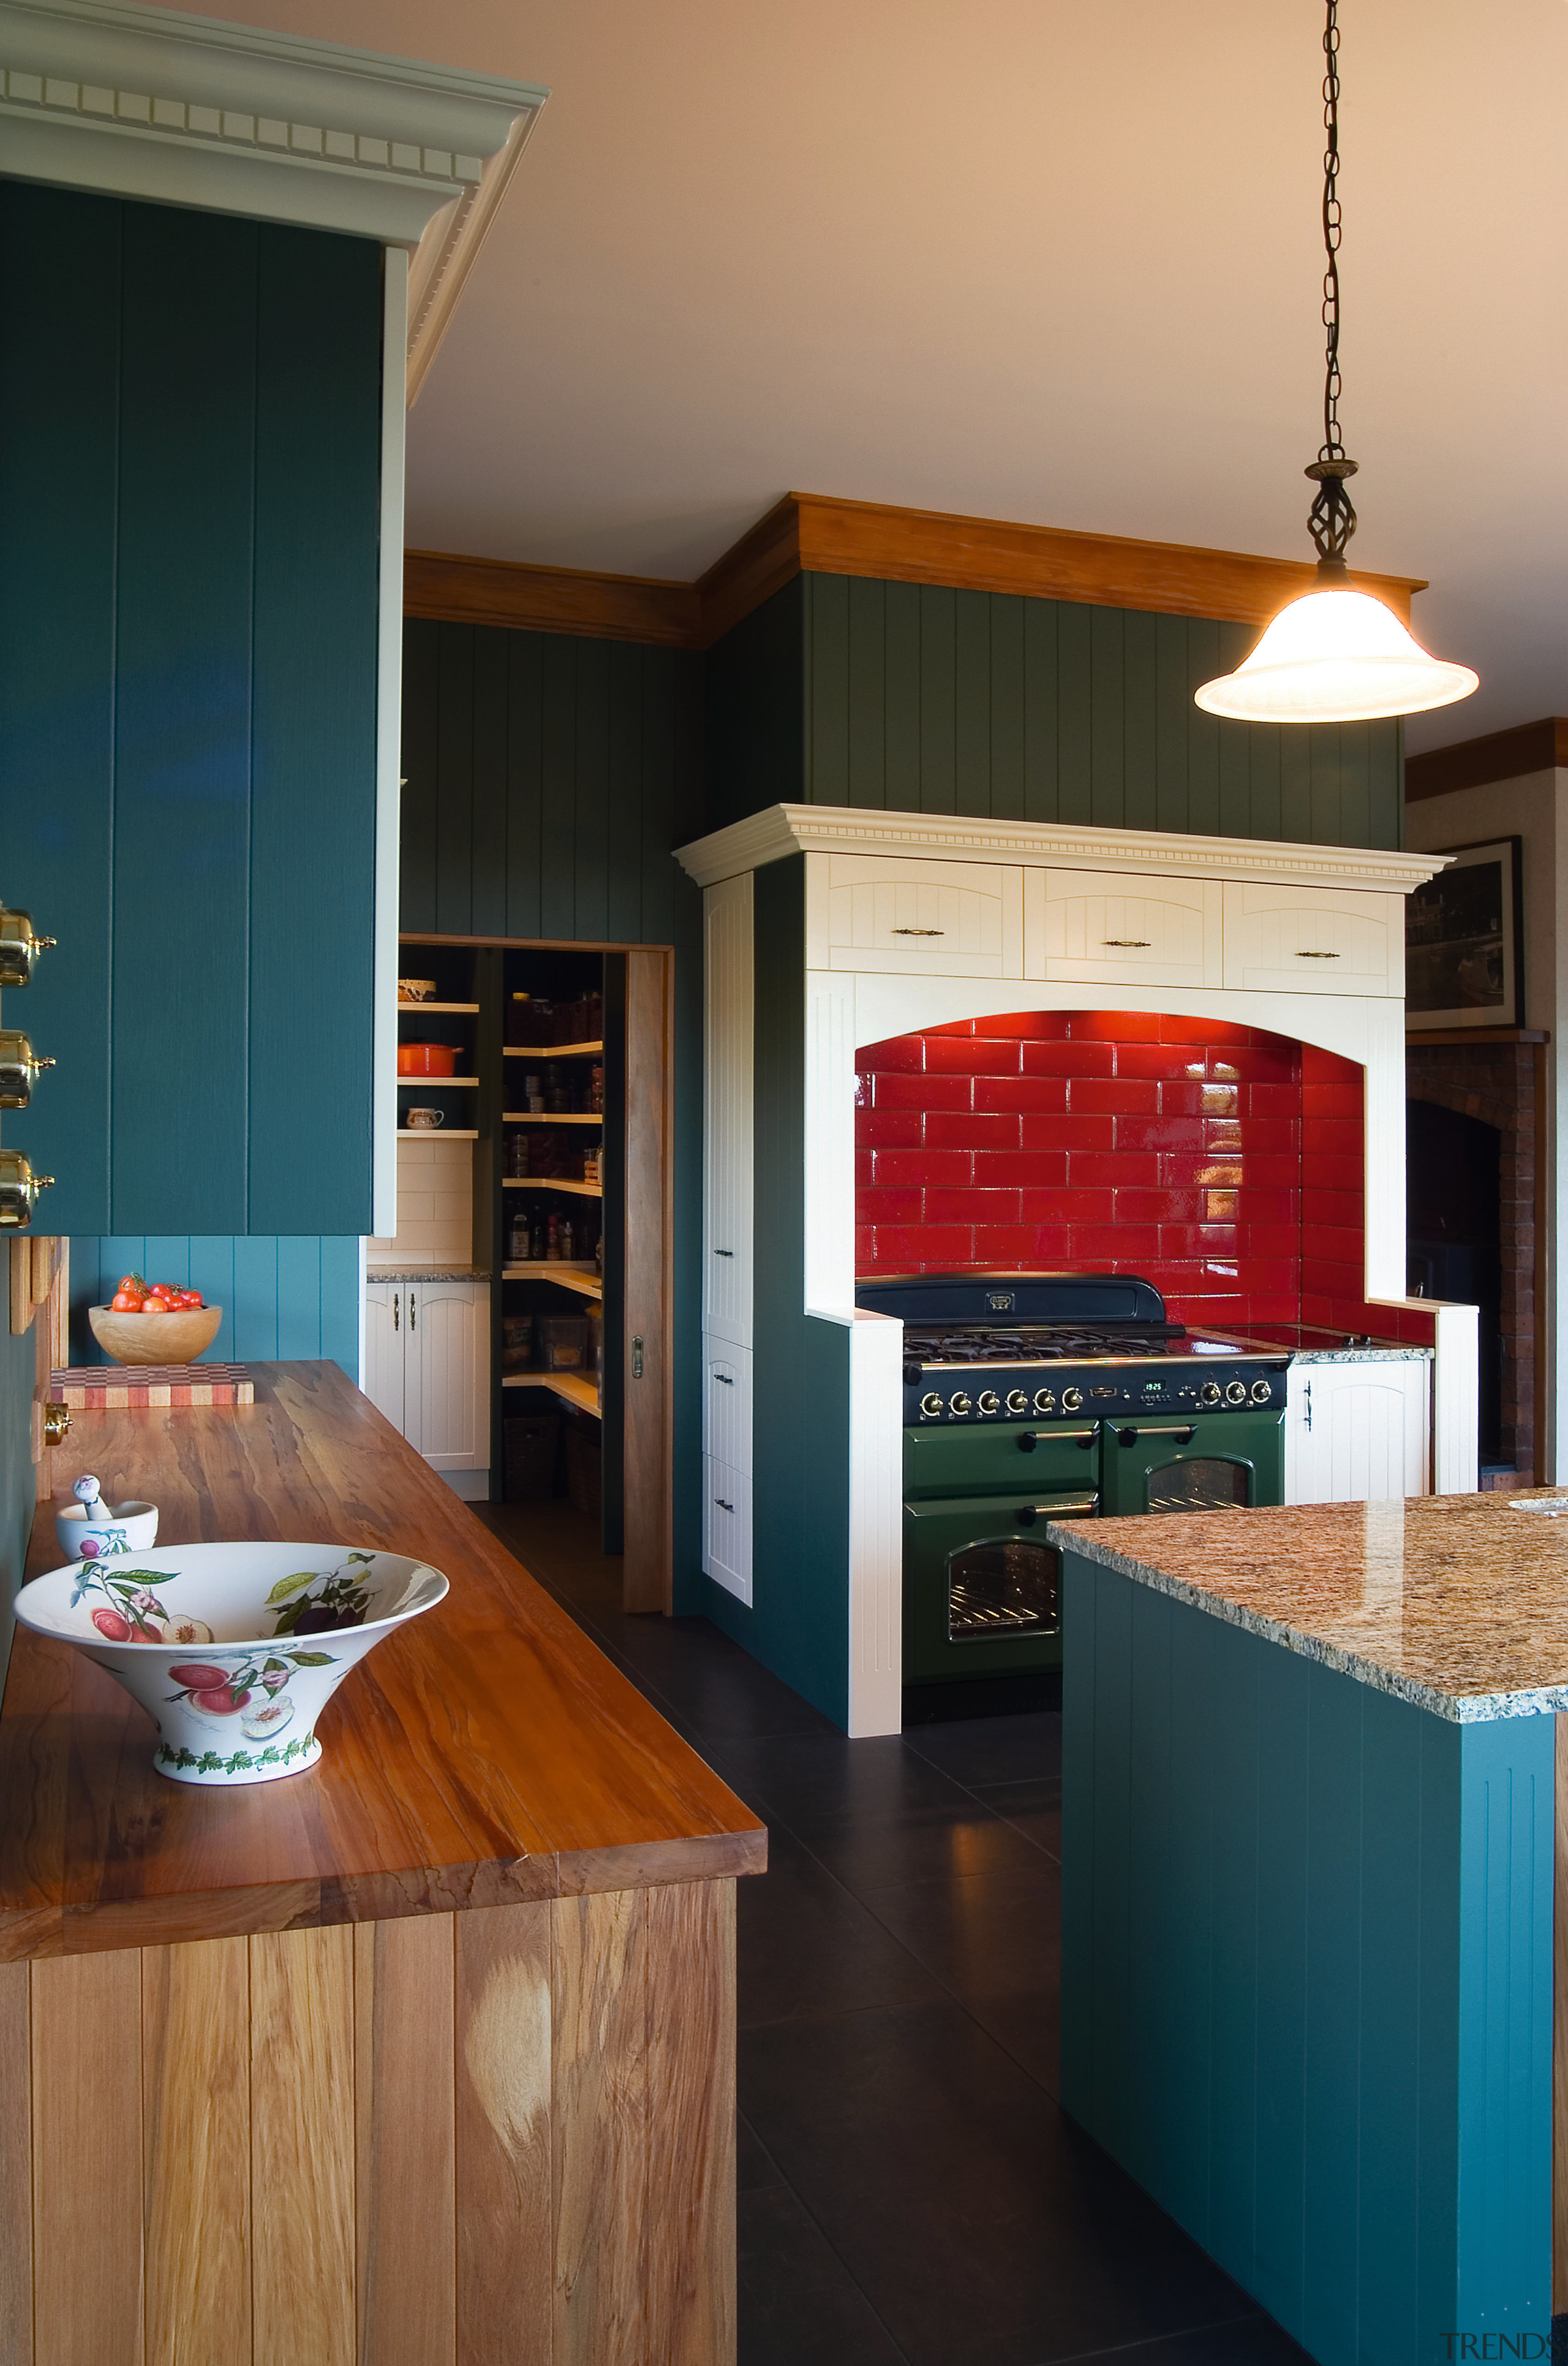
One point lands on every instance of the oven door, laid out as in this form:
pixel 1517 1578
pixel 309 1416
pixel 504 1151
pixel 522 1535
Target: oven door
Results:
pixel 982 1587
pixel 1219 1462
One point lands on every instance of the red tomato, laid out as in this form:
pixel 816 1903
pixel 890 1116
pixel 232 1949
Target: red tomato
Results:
pixel 152 1305
pixel 126 1301
pixel 193 1297
pixel 132 1281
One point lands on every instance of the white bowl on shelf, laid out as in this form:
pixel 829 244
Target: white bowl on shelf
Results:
pixel 233 1650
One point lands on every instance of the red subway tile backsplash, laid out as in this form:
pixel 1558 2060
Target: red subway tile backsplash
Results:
pixel 1224 1163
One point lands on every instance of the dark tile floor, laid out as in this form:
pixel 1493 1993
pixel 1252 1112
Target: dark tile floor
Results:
pixel 909 2190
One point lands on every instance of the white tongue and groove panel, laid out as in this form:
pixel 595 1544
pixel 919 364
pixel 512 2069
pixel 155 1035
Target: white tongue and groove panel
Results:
pixel 1357 1433
pixel 726 1528
pixel 1314 941
pixel 1116 927
pixel 727 988
pixel 931 920
pixel 726 1404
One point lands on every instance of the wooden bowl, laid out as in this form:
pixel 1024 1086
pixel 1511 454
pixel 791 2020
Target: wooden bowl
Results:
pixel 177 1338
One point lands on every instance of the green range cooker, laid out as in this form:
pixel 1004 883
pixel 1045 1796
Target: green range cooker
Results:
pixel 1031 1397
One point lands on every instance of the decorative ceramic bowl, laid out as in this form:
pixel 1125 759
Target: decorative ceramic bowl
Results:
pixel 177 1338
pixel 415 989
pixel 233 1650
pixel 113 1530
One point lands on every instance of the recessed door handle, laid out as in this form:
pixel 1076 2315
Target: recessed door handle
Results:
pixel 1131 944
pixel 917 933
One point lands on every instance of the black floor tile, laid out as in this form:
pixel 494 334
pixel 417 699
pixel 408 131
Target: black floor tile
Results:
pixel 982 2226
pixel 993 1749
pixel 1033 1809
pixel 806 1948
pixel 870 1851
pixel 1252 2340
pixel 799 2303
pixel 813 1775
pixel 754 2168
pixel 994 1935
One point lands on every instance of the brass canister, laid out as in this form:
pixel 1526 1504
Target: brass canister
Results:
pixel 20 1064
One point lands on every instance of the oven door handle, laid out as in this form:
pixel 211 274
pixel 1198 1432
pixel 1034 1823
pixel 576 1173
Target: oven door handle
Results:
pixel 1061 1507
pixel 1182 1431
pixel 1028 1440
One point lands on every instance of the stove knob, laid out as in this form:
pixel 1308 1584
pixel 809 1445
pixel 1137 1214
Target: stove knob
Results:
pixel 959 1406
pixel 1017 1401
pixel 1260 1391
pixel 1235 1392
pixel 1209 1393
pixel 990 1402
pixel 930 1405
pixel 1045 1400
pixel 1072 1399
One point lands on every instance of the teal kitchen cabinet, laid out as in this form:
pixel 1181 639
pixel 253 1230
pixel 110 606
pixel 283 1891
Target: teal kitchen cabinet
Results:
pixel 190 460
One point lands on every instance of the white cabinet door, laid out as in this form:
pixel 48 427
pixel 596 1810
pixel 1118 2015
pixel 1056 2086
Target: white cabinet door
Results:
pixel 1314 941
pixel 901 914
pixel 726 1527
pixel 1116 927
pixel 384 1348
pixel 446 1414
pixel 726 1403
pixel 727 1111
pixel 1357 1433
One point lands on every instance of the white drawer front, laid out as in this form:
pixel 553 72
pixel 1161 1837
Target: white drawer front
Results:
pixel 931 920
pixel 1314 941
pixel 1122 928
pixel 726 1528
pixel 726 1403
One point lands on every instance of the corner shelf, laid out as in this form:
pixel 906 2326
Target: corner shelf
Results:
pixel 552 1117
pixel 571 1276
pixel 549 1050
pixel 551 1183
pixel 470 1009
pixel 570 1385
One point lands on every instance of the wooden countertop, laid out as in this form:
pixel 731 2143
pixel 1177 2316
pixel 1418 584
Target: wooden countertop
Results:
pixel 484 1753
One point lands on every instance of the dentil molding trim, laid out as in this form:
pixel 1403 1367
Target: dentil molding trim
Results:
pixel 183 111
pixel 783 830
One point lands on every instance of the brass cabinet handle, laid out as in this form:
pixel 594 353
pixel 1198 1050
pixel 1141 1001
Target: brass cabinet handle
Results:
pixel 1318 956
pixel 56 1424
pixel 1133 944
pixel 917 933
pixel 1181 1431
pixel 1028 1439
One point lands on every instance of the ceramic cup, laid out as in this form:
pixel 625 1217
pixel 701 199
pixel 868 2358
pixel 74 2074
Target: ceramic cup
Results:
pixel 114 1531
pixel 235 1650
pixel 415 989
pixel 425 1120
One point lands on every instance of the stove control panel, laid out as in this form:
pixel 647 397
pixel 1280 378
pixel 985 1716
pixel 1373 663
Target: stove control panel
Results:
pixel 1099 1393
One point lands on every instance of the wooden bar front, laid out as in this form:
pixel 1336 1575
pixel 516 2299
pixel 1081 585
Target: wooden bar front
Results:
pixel 425 2056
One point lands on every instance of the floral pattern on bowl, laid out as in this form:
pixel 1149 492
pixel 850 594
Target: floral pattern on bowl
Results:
pixel 180 1631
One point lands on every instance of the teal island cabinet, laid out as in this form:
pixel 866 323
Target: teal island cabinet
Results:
pixel 1309 1790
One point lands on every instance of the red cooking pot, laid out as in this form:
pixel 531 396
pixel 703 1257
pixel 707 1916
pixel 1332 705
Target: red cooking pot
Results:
pixel 427 1059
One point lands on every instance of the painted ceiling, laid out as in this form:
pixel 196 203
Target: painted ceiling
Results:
pixel 1015 260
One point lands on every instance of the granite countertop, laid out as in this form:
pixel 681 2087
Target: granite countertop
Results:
pixel 1456 1603
pixel 1310 1346
pixel 427 1273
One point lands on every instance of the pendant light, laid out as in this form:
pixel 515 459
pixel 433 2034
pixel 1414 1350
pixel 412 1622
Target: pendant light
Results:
pixel 1336 655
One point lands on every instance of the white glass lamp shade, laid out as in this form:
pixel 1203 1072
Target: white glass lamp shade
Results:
pixel 1335 657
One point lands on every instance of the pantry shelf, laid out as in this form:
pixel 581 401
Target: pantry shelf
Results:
pixel 569 1385
pixel 552 1117
pixel 447 1132
pixel 553 1051
pixel 551 1183
pixel 405 1078
pixel 469 1008
pixel 584 1279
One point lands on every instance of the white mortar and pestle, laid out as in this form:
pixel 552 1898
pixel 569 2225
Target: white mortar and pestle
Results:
pixel 90 1529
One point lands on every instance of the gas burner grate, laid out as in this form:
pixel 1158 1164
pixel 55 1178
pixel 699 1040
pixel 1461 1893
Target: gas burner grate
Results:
pixel 1030 1345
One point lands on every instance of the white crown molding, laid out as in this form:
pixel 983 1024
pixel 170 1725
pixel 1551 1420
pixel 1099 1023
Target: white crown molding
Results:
pixel 150 104
pixel 780 831
pixel 448 251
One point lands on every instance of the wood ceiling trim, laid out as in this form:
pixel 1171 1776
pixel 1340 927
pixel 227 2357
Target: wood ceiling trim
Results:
pixel 806 533
pixel 1537 747
pixel 550 599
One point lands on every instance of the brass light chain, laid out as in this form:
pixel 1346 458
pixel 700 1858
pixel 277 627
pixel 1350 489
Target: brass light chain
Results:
pixel 1332 519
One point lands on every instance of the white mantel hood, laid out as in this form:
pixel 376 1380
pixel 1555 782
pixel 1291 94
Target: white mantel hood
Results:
pixel 778 831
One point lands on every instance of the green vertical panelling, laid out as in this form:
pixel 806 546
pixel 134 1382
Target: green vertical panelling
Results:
pixel 1307 1974
pixel 525 780
pixel 183 715
pixel 558 778
pixel 930 700
pixel 938 661
pixel 626 787
pixel 295 1296
pixel 971 703
pixel 799 1620
pixel 828 654
pixel 420 761
pixel 312 816
pixel 590 796
pixel 488 808
pixel 59 259
pixel 865 724
pixel 454 783
pixel 755 709
pixel 1042 706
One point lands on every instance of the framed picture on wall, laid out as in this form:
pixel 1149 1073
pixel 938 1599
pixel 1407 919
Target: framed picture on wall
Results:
pixel 1463 945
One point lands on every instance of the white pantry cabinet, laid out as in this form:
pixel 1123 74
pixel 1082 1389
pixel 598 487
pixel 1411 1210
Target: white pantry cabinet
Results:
pixel 1097 927
pixel 1357 1432
pixel 1291 940
pixel 915 917
pixel 427 1367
